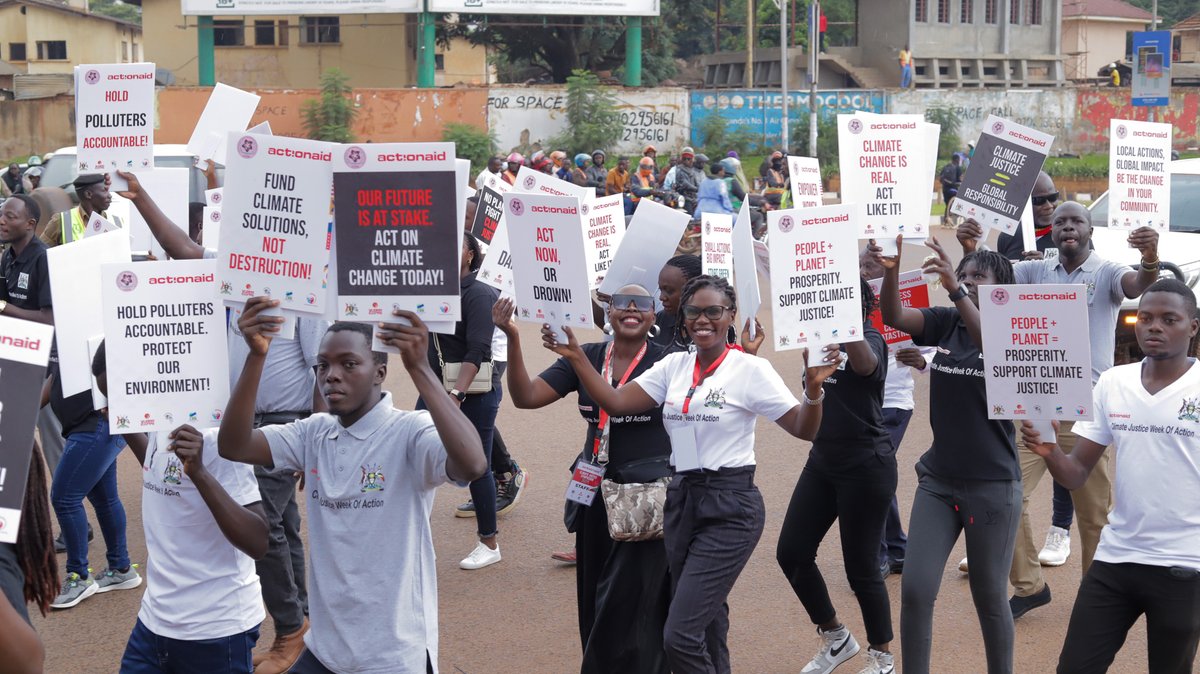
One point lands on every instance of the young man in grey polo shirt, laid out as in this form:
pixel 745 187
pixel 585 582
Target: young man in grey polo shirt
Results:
pixel 1108 284
pixel 371 471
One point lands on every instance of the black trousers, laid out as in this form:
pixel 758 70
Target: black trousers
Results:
pixel 1113 596
pixel 712 522
pixel 309 664
pixel 858 499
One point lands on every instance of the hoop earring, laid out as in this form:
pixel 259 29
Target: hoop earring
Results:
pixel 654 331
pixel 607 329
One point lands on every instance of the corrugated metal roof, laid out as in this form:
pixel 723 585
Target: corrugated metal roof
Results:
pixel 1115 9
pixel 43 85
pixel 1190 23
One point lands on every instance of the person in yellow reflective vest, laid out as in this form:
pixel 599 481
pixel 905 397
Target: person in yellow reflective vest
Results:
pixel 94 197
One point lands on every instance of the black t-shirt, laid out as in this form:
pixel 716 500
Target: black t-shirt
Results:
pixel 966 444
pixel 631 438
pixel 852 420
pixel 12 579
pixel 666 331
pixel 76 413
pixel 26 277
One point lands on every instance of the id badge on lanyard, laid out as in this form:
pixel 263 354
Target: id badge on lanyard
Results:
pixel 585 481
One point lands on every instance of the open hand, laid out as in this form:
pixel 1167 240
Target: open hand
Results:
pixel 911 357
pixel 1145 239
pixel 940 265
pixel 751 346
pixel 1033 439
pixel 822 367
pixel 550 341
pixel 886 261
pixel 502 315
pixel 969 233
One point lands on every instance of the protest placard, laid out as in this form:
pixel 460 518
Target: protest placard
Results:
pixel 814 277
pixel 75 291
pixel 914 294
pixel 277 198
pixel 165 326
pixel 496 270
pixel 536 182
pixel 545 235
pixel 745 274
pixel 228 111
pixel 603 228
pixel 114 118
pixel 214 197
pixel 762 258
pixel 1000 179
pixel 398 230
pixel 210 228
pixel 1139 184
pixel 24 352
pixel 650 240
pixel 805 174
pixel 886 175
pixel 716 245
pixel 169 189
pixel 490 208
pixel 1038 359
pixel 98 225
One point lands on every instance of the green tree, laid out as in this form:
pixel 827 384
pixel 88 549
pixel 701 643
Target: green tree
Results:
pixel 117 10
pixel 592 117
pixel 471 142
pixel 827 141
pixel 330 117
pixel 949 140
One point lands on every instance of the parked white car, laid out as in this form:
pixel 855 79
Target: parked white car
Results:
pixel 1179 248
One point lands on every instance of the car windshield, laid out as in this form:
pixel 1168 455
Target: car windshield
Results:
pixel 1185 204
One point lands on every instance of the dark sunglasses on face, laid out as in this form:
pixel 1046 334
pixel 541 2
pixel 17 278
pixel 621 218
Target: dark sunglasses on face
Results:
pixel 1051 198
pixel 716 311
pixel 639 302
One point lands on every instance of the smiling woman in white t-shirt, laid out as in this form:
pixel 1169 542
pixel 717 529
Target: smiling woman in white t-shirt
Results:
pixel 711 399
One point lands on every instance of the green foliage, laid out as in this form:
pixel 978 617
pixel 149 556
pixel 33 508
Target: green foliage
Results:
pixel 330 117
pixel 117 10
pixel 1087 166
pixel 717 138
pixel 471 143
pixel 827 142
pixel 1169 11
pixel 949 140
pixel 592 117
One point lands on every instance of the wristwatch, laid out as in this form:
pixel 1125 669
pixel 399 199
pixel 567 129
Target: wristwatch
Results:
pixel 958 294
pixel 461 396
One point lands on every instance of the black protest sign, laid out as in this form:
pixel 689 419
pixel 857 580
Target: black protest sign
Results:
pixel 24 352
pixel 487 215
pixel 1002 173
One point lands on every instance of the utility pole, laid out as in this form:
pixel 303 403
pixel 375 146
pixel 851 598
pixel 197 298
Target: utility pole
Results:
pixel 814 48
pixel 749 44
pixel 783 71
pixel 633 51
pixel 205 58
pixel 426 46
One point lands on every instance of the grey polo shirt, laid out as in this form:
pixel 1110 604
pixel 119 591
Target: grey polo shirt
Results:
pixel 372 584
pixel 1104 296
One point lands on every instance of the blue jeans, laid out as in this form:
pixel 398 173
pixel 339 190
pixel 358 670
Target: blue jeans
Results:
pixel 905 77
pixel 894 542
pixel 148 653
pixel 481 409
pixel 1064 508
pixel 88 467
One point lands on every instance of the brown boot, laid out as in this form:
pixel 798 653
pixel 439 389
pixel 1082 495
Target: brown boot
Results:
pixel 284 652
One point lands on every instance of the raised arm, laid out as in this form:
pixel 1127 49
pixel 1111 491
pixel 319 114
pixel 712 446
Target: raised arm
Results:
pixel 1134 284
pixel 629 399
pixel 527 393
pixel 1069 470
pixel 893 311
pixel 173 239
pixel 941 266
pixel 465 460
pixel 239 440
pixel 804 420
pixel 243 526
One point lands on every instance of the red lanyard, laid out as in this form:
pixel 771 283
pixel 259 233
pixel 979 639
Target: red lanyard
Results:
pixel 607 372
pixel 698 377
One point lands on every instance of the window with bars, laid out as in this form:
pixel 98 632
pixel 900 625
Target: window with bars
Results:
pixel 1035 12
pixel 943 11
pixel 966 12
pixel 991 11
pixel 1014 12
pixel 921 11
pixel 320 30
pixel 228 33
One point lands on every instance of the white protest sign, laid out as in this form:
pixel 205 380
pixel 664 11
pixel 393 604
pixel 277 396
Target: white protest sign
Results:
pixel 536 182
pixel 262 128
pixel 914 294
pixel 1038 360
pixel 97 225
pixel 228 111
pixel 815 280
pixel 276 222
pixel 114 118
pixel 497 262
pixel 805 174
pixel 546 240
pixel 165 326
pixel 1028 228
pixel 1139 184
pixel 169 189
pixel 650 240
pixel 762 258
pixel 603 228
pixel 716 244
pixel 744 273
pixel 24 352
pixel 75 290
pixel 886 175
pixel 210 229
pixel 213 198
pixel 997 185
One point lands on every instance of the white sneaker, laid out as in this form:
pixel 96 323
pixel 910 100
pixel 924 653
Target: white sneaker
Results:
pixel 480 557
pixel 878 662
pixel 1057 547
pixel 962 566
pixel 837 646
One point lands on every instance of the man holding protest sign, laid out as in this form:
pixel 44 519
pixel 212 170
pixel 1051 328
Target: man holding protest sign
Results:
pixel 94 197
pixel 1148 558
pixel 1044 199
pixel 374 469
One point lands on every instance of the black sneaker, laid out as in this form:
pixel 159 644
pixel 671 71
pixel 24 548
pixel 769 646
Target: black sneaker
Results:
pixel 885 568
pixel 1022 605
pixel 509 489
pixel 60 546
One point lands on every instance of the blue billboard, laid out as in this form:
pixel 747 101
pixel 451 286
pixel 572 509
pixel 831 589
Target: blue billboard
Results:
pixel 1152 68
pixel 759 111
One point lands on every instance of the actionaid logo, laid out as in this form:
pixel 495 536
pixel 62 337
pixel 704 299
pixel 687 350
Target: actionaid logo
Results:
pixel 559 210
pixel 195 278
pixel 844 217
pixel 1054 297
pixel 412 156
pixel 298 154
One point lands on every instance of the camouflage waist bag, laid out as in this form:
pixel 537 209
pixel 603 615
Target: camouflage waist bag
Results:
pixel 635 510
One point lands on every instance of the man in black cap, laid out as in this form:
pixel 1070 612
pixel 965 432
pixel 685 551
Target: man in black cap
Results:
pixel 94 197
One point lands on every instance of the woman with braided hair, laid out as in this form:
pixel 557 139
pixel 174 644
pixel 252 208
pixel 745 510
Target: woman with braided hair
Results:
pixel 28 573
pixel 674 276
pixel 714 513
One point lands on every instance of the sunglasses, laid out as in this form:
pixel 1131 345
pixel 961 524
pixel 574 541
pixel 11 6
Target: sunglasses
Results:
pixel 716 311
pixel 1051 198
pixel 639 302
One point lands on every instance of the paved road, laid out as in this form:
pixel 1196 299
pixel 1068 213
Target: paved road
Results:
pixel 518 617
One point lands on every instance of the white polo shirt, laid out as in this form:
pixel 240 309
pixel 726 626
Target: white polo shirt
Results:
pixel 725 406
pixel 198 585
pixel 372 592
pixel 1156 517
